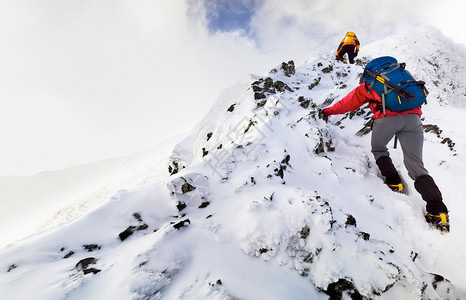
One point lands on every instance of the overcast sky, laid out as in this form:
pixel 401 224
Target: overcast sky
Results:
pixel 84 80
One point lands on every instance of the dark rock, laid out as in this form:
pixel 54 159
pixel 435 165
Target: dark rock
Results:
pixel 314 83
pixel 91 270
pixel 12 267
pixel 131 229
pixel 344 74
pixel 432 128
pixel 209 135
pixel 69 254
pixel 449 142
pixel 268 85
pixel 261 103
pixel 280 171
pixel 251 123
pixel 263 86
pixel 218 282
pixel 269 198
pixel 142 227
pixel 319 148
pixel 84 263
pixel 257 88
pixel 328 69
pixel 204 204
pixel 366 129
pixel 329 146
pixel 181 224
pixel 361 62
pixel 281 86
pixel 288 68
pixel 365 236
pixel 173 168
pixel 286 160
pixel 437 279
pixel 181 206
pixel 303 102
pixel 305 232
pixel 186 188
pixel 231 108
pixel 91 247
pixel 336 289
pixel 258 96
pixel 437 131
pixel 127 233
pixel 137 216
pixel 328 101
pixel 350 221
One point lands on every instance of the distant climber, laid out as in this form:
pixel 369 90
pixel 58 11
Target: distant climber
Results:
pixel 350 45
pixel 406 126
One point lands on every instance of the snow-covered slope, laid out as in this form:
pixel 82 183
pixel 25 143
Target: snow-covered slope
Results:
pixel 32 204
pixel 265 200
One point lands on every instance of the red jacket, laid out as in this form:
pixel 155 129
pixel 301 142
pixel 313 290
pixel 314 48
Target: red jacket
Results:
pixel 358 97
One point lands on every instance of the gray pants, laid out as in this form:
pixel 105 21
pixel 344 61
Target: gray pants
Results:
pixel 408 130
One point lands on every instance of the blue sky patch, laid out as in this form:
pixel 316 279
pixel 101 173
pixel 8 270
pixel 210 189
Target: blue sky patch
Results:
pixel 230 15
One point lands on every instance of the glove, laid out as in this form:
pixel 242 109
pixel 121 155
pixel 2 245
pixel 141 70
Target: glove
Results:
pixel 322 115
pixel 356 53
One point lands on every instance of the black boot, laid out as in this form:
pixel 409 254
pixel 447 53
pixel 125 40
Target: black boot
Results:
pixel 388 170
pixel 440 221
pixel 430 192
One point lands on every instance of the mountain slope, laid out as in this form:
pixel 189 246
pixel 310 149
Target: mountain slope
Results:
pixel 49 199
pixel 265 200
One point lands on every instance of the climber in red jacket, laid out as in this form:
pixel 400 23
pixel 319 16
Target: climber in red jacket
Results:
pixel 407 127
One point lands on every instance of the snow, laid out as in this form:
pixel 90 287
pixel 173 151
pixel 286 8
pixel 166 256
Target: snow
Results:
pixel 264 200
pixel 52 198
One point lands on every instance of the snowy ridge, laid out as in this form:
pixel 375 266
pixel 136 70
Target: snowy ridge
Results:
pixel 265 200
pixel 52 198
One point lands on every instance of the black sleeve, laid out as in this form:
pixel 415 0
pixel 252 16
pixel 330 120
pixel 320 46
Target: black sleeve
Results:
pixel 339 47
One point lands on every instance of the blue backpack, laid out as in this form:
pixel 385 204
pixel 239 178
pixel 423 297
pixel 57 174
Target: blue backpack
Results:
pixel 394 84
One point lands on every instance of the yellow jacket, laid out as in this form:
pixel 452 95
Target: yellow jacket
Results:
pixel 349 39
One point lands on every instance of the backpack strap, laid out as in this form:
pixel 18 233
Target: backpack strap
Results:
pixel 401 65
pixel 378 105
pixel 385 88
pixel 420 83
pixel 380 76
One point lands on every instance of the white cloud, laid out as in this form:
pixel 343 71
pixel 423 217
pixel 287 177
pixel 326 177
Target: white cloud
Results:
pixel 299 26
pixel 86 80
